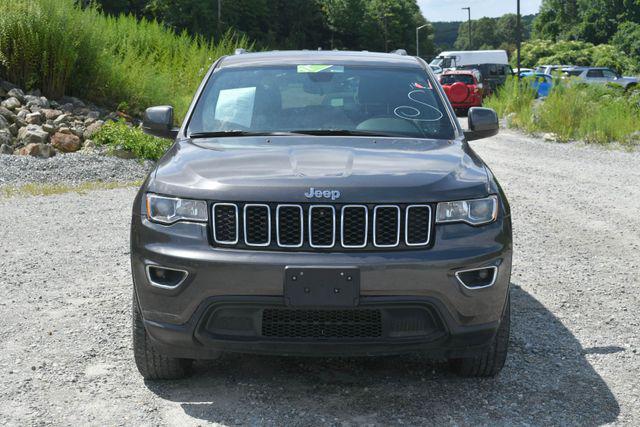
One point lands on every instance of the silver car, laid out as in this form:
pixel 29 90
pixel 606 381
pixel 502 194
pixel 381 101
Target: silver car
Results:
pixel 601 75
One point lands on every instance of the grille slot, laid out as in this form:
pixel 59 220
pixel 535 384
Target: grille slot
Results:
pixel 322 227
pixel 386 226
pixel 294 323
pixel 225 223
pixel 257 225
pixel 417 226
pixel 289 226
pixel 354 226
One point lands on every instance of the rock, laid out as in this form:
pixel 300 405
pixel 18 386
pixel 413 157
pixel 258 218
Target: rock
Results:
pixel 37 150
pixel 551 137
pixel 4 123
pixel 122 153
pixel 67 143
pixel 6 137
pixel 93 115
pixel 34 118
pixel 48 128
pixel 68 107
pixel 88 143
pixel 13 129
pixel 73 101
pixel 11 103
pixel 635 136
pixel 35 92
pixel 92 129
pixel 22 114
pixel 5 149
pixel 7 114
pixel 17 93
pixel 32 134
pixel 64 129
pixel 51 114
pixel 78 131
pixel 37 101
pixel 62 118
pixel 3 93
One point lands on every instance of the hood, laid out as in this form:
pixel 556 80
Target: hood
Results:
pixel 283 169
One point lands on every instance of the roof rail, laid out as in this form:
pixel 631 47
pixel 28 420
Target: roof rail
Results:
pixel 239 51
pixel 399 52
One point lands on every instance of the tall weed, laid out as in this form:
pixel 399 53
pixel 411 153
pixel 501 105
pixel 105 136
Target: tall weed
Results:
pixel 573 111
pixel 59 48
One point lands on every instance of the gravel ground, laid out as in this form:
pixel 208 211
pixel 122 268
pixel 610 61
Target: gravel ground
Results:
pixel 65 352
pixel 69 169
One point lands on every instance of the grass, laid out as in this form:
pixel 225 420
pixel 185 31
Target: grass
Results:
pixel 119 135
pixel 60 48
pixel 34 189
pixel 600 114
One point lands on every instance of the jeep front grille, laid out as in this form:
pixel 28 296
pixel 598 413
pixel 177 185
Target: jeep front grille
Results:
pixel 321 227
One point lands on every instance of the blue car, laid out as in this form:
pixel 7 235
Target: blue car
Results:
pixel 540 82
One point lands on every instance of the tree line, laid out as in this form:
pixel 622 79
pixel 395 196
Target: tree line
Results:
pixel 376 25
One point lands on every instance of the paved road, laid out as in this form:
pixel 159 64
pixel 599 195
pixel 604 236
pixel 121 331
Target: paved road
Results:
pixel 65 353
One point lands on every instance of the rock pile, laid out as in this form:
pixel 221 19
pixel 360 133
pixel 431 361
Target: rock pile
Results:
pixel 31 124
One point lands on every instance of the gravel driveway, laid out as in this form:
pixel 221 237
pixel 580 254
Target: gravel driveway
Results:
pixel 65 352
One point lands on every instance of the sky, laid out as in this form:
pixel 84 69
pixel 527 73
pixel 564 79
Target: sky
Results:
pixel 449 10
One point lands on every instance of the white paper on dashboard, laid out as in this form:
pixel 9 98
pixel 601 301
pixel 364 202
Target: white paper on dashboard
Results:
pixel 236 105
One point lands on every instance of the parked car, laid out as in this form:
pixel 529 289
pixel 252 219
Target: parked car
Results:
pixel 551 69
pixel 601 75
pixel 460 58
pixel 493 75
pixel 320 203
pixel 463 88
pixel 522 70
pixel 540 82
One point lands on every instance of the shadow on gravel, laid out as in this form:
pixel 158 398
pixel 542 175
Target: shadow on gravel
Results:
pixel 547 380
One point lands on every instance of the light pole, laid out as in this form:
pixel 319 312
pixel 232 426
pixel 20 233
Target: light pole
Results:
pixel 468 9
pixel 418 39
pixel 518 35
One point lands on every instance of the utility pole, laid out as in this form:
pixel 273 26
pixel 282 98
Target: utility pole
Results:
pixel 468 9
pixel 418 38
pixel 518 35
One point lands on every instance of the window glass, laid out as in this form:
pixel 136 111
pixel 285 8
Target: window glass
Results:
pixel 594 73
pixel 395 102
pixel 449 79
pixel 609 74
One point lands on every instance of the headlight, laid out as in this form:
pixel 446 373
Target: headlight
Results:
pixel 167 210
pixel 474 212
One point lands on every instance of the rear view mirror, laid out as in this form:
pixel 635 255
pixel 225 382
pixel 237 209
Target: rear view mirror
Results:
pixel 158 121
pixel 483 123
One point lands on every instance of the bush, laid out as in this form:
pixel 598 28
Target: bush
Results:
pixel 573 111
pixel 60 48
pixel 121 136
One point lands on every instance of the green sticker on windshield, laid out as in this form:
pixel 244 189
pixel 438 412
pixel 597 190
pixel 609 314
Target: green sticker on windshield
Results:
pixel 316 68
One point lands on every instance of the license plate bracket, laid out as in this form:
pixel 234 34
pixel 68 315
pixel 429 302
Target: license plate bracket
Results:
pixel 321 287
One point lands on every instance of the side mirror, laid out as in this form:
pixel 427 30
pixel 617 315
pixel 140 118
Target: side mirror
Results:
pixel 158 121
pixel 483 123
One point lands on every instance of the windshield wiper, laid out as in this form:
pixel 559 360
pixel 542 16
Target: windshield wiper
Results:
pixel 339 132
pixel 223 133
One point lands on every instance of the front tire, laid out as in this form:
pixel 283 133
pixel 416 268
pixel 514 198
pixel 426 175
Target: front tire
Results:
pixel 491 361
pixel 151 364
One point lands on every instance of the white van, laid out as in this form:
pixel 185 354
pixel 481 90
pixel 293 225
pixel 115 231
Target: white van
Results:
pixel 452 59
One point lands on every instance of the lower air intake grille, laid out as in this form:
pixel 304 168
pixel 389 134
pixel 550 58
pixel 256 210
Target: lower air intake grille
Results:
pixel 291 323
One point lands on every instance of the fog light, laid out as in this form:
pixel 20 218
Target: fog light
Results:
pixel 477 278
pixel 165 277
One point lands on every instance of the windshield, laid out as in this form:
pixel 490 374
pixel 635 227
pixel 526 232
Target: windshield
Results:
pixel 443 62
pixel 449 79
pixel 322 99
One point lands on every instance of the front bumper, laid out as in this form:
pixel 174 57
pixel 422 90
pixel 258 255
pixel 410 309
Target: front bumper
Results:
pixel 463 321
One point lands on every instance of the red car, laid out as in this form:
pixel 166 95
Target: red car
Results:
pixel 463 88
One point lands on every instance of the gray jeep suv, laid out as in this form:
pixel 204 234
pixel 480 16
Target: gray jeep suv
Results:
pixel 320 203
